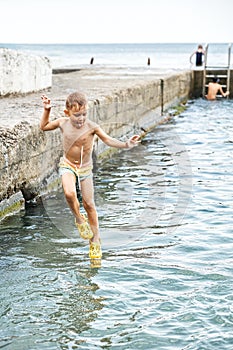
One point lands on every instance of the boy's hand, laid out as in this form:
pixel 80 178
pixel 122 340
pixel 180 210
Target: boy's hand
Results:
pixel 133 141
pixel 46 102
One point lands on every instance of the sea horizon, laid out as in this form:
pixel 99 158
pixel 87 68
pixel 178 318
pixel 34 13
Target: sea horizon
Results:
pixel 161 55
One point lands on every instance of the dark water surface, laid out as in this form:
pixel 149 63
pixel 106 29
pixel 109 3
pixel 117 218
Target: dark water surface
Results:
pixel 166 279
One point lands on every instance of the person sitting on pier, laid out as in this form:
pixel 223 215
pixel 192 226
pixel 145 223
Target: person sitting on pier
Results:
pixel 213 88
pixel 76 164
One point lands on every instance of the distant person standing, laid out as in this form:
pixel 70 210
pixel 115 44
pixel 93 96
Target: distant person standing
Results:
pixel 200 53
pixel 213 88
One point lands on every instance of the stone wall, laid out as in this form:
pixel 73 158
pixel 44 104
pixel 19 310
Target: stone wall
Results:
pixel 21 73
pixel 29 157
pixel 139 108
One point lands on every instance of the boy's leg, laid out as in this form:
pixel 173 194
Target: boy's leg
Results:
pixel 69 188
pixel 87 191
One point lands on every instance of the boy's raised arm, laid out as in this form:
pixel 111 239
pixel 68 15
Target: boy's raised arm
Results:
pixel 45 124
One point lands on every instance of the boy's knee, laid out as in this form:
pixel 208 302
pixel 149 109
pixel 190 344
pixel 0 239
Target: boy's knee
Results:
pixel 70 195
pixel 89 206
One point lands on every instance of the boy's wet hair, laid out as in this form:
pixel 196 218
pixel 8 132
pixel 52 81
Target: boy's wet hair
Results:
pixel 216 80
pixel 76 98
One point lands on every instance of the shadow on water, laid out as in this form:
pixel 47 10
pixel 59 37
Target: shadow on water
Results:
pixel 47 290
pixel 165 220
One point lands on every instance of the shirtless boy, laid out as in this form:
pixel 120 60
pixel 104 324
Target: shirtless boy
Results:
pixel 213 88
pixel 76 164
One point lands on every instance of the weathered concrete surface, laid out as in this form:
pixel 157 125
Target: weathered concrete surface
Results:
pixel 21 73
pixel 122 101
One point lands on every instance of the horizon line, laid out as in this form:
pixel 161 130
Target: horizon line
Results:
pixel 107 43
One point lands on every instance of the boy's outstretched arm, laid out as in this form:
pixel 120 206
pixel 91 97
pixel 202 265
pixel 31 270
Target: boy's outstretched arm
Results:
pixel 224 94
pixel 45 124
pixel 112 142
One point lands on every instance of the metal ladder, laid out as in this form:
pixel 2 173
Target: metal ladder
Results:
pixel 222 72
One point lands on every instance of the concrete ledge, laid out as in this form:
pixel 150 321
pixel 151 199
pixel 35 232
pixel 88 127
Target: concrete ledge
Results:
pixel 21 73
pixel 29 157
pixel 65 70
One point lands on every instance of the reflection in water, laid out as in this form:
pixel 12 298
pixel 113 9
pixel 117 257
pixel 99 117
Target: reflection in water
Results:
pixel 166 223
pixel 46 283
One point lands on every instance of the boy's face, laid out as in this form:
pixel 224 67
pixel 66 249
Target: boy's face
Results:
pixel 78 116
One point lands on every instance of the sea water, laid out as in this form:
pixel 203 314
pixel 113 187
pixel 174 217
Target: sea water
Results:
pixel 166 279
pixel 164 56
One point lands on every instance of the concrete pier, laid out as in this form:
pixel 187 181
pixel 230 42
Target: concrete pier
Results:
pixel 122 101
pixel 22 73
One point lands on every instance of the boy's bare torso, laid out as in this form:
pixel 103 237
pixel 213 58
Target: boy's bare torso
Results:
pixel 213 89
pixel 78 142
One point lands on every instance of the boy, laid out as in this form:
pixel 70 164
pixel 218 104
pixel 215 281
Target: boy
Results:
pixel 76 165
pixel 200 53
pixel 213 89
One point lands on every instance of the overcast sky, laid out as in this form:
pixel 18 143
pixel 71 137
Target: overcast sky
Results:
pixel 116 21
